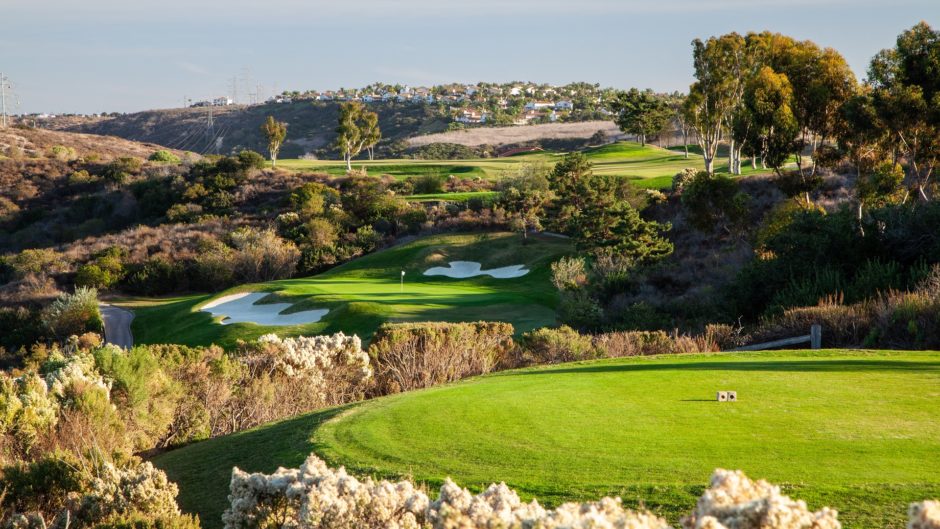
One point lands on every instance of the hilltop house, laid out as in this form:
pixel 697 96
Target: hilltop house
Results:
pixel 539 105
pixel 471 116
pixel 564 105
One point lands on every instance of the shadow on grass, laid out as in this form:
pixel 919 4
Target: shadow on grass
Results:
pixel 202 470
pixel 781 365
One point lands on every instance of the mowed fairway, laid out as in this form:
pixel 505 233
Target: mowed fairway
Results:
pixel 857 430
pixel 366 292
pixel 648 166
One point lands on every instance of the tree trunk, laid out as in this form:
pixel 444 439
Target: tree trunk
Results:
pixel 348 163
pixel 709 162
pixel 754 162
pixel 731 151
pixel 685 141
pixel 861 227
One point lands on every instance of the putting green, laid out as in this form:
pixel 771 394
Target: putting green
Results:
pixel 364 293
pixel 856 430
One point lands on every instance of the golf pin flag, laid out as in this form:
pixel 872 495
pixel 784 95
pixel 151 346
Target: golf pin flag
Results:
pixel 403 273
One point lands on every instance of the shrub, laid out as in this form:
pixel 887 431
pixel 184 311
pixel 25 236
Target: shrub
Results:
pixel 41 485
pixel 93 276
pixel 569 273
pixel 140 488
pixel 184 213
pixel 418 355
pixel 644 343
pixel 82 177
pixel 250 160
pixel 164 156
pixel 315 496
pixel 427 183
pixel 156 275
pixel 260 255
pixel 683 178
pixel 39 262
pixel 122 169
pixel 61 152
pixel 74 313
pixel 712 202
pixel 552 346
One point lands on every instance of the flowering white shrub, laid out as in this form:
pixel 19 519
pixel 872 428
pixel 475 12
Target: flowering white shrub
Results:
pixel 304 355
pixel 26 408
pixel 317 497
pixel 142 488
pixel 76 373
pixel 924 515
pixel 733 501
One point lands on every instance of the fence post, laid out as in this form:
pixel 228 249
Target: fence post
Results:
pixel 815 336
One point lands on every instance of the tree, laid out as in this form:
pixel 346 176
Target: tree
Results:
pixel 640 113
pixel 767 98
pixel 275 132
pixel 716 92
pixel 712 202
pixel 881 186
pixel 524 193
pixel 906 98
pixel 358 128
pixel 594 210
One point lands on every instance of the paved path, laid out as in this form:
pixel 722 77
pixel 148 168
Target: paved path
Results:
pixel 117 326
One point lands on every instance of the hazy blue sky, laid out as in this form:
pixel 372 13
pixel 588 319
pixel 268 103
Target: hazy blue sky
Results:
pixel 126 55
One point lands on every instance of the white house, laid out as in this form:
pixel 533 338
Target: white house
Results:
pixel 539 105
pixel 564 105
pixel 471 116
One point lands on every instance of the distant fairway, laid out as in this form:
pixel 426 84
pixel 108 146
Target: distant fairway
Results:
pixel 366 292
pixel 648 166
pixel 856 430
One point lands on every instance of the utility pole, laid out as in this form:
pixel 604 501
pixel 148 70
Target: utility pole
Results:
pixel 3 101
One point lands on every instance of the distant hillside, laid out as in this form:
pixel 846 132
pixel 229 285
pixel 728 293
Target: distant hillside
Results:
pixel 311 127
pixel 310 130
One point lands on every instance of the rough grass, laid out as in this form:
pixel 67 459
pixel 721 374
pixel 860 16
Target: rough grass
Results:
pixel 648 166
pixel 366 292
pixel 856 430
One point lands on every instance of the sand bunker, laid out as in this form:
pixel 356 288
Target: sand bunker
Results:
pixel 465 269
pixel 241 308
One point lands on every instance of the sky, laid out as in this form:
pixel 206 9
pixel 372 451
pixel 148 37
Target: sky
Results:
pixel 88 56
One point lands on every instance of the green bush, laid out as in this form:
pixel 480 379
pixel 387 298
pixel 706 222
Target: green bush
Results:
pixel 552 346
pixel 250 160
pixel 713 202
pixel 122 169
pixel 164 156
pixel 427 183
pixel 75 313
pixel 41 485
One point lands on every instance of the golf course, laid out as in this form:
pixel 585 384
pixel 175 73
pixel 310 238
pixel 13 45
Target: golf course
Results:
pixel 647 166
pixel 366 292
pixel 852 429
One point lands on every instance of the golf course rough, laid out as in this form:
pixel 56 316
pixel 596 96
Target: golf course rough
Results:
pixel 366 292
pixel 856 430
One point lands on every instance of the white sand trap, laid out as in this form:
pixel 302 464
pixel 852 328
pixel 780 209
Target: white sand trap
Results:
pixel 241 308
pixel 465 269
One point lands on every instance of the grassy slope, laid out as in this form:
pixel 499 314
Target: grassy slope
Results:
pixel 366 292
pixel 649 166
pixel 857 430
